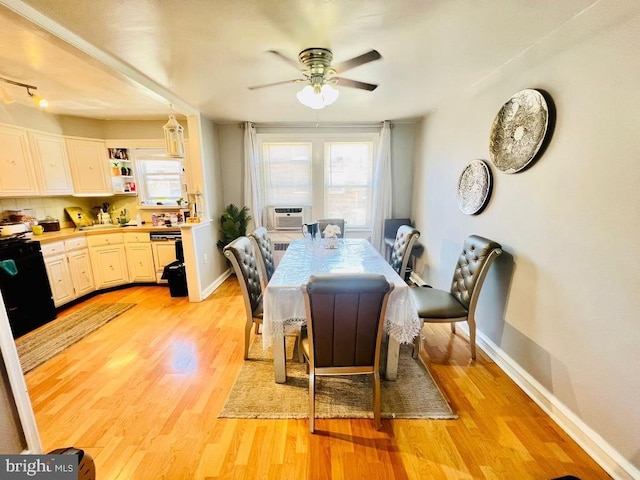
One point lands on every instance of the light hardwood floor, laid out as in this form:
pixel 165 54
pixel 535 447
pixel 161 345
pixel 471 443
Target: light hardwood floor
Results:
pixel 143 393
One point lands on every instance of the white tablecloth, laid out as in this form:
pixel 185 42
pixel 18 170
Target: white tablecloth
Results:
pixel 284 303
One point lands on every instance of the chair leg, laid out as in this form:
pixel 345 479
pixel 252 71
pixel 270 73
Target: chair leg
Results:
pixel 416 343
pixel 472 337
pixel 258 324
pixel 312 400
pixel 376 399
pixel 453 327
pixel 247 337
pixel 416 347
pixel 300 354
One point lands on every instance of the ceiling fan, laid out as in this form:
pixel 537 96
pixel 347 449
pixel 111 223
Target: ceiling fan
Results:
pixel 320 75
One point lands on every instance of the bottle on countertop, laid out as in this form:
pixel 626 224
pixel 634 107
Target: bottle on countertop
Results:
pixel 154 219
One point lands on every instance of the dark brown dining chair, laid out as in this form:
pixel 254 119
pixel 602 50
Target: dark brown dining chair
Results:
pixel 264 254
pixel 345 320
pixel 242 257
pixel 459 303
pixel 331 221
pixel 406 236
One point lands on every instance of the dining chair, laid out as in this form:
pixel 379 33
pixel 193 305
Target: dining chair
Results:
pixel 242 257
pixel 345 321
pixel 264 254
pixel 332 221
pixel 459 303
pixel 391 226
pixel 406 236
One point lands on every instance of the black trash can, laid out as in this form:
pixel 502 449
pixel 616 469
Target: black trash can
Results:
pixel 176 275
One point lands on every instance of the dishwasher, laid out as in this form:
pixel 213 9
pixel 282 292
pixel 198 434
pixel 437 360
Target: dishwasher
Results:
pixel 165 250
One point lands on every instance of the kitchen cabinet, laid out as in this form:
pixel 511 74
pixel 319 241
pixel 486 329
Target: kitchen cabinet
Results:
pixel 80 266
pixel 18 175
pixel 55 262
pixel 108 259
pixel 51 164
pixel 139 257
pixel 69 269
pixel 89 167
pixel 164 253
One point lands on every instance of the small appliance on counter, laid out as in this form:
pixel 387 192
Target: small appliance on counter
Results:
pixel 79 217
pixel 8 229
pixel 50 224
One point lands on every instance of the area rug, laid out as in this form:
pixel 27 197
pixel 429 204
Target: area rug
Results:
pixel 414 394
pixel 41 344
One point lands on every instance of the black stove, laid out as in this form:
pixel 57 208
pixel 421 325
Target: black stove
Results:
pixel 24 284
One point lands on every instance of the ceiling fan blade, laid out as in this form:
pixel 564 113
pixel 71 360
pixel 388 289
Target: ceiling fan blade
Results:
pixel 295 80
pixel 357 61
pixel 345 82
pixel 294 63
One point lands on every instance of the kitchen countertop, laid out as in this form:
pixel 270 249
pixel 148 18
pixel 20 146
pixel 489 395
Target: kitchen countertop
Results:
pixel 68 233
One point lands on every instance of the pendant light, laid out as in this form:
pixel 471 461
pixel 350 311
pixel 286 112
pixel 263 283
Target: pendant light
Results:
pixel 174 137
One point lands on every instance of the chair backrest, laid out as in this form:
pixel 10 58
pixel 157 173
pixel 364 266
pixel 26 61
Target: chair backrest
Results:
pixel 264 254
pixel 477 255
pixel 240 253
pixel 345 318
pixel 405 238
pixel 391 226
pixel 332 221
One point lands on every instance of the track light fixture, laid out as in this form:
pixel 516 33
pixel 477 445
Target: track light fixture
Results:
pixel 38 100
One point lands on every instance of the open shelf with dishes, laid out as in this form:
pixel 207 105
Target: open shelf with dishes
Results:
pixel 122 175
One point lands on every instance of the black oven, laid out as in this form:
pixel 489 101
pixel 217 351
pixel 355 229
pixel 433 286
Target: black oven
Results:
pixel 24 285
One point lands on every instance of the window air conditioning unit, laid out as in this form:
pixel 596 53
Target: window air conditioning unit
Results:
pixel 286 218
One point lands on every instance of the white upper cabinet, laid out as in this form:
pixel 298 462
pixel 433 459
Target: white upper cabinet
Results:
pixel 89 167
pixel 51 163
pixel 18 176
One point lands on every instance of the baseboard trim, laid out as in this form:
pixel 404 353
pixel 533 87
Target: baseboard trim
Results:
pixel 592 443
pixel 215 284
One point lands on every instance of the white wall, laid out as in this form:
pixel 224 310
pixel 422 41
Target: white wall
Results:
pixel 563 301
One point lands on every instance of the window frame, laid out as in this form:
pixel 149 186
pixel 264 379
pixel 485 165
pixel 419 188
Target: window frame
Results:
pixel 139 155
pixel 318 173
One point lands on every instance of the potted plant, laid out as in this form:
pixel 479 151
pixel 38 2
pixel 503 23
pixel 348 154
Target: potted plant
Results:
pixel 233 224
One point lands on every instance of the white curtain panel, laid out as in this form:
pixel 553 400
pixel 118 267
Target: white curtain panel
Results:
pixel 251 174
pixel 382 187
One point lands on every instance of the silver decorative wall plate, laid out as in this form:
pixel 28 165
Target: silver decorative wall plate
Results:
pixel 518 131
pixel 474 187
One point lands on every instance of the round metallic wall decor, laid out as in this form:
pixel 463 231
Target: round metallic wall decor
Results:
pixel 518 131
pixel 474 187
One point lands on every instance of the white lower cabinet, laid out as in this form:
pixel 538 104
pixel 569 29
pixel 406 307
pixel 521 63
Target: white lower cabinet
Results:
pixel 69 269
pixel 108 259
pixel 59 279
pixel 81 271
pixel 139 257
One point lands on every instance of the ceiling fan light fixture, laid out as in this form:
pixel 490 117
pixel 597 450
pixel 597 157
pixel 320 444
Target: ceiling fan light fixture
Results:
pixel 174 137
pixel 316 96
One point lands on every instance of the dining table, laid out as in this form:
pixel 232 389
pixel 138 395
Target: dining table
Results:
pixel 283 301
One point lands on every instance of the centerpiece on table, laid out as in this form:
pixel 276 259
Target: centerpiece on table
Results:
pixel 330 234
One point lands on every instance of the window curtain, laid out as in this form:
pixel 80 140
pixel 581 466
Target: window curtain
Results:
pixel 382 187
pixel 251 174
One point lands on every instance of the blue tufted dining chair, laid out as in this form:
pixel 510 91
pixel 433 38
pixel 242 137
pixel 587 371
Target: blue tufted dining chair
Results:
pixel 264 254
pixel 241 255
pixel 406 236
pixel 459 303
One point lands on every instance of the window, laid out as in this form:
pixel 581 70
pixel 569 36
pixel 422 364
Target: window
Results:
pixel 348 182
pixel 332 173
pixel 160 178
pixel 287 173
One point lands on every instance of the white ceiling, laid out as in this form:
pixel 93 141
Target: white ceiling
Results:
pixel 133 58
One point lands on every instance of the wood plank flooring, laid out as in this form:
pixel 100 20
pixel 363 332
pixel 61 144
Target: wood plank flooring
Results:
pixel 143 393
